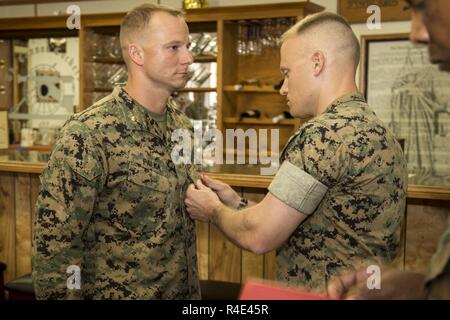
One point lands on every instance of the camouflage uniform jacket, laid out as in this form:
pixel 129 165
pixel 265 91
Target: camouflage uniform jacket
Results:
pixel 112 203
pixel 349 154
pixel 438 277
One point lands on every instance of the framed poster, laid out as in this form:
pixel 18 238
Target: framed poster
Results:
pixel 356 10
pixel 413 98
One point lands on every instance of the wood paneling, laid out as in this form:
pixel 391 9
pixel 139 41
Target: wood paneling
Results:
pixel 269 265
pixel 7 224
pixel 203 249
pixel 34 192
pixel 22 185
pixel 224 257
pixel 252 264
pixel 356 11
pixel 218 258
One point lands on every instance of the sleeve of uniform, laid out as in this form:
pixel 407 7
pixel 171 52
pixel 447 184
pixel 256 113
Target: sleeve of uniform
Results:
pixel 314 162
pixel 69 187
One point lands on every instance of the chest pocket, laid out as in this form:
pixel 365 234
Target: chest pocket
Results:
pixel 149 177
pixel 145 201
pixel 147 185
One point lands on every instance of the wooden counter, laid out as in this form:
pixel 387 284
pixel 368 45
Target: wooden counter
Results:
pixel 427 211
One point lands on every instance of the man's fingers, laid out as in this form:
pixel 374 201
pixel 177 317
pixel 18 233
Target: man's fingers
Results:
pixel 211 183
pixel 190 188
pixel 340 286
pixel 335 289
pixel 200 185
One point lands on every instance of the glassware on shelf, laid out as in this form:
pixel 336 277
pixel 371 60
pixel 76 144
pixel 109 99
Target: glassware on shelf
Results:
pixel 114 49
pixel 98 45
pixel 119 77
pixel 241 47
pixel 105 75
pixel 211 47
pixel 203 44
pixel 256 35
pixel 200 75
pixel 268 34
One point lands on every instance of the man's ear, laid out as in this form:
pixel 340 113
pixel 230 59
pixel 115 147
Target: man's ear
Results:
pixel 318 60
pixel 136 54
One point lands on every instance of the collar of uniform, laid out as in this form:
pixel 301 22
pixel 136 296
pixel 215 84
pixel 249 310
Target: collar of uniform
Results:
pixel 137 115
pixel 354 96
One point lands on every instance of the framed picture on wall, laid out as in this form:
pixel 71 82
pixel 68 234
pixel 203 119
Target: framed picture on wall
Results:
pixel 413 98
pixel 356 11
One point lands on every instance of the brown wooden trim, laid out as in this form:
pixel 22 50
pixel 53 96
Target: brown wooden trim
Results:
pixel 428 192
pixel 34 23
pixel 243 180
pixel 289 9
pixel 25 167
pixel 260 11
pixel 22 2
pixel 388 13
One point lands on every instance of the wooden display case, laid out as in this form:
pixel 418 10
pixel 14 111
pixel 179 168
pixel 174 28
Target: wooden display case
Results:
pixel 232 68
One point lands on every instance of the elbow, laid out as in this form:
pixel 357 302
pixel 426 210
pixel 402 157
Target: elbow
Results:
pixel 260 246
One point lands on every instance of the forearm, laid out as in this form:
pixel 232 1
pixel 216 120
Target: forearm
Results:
pixel 239 226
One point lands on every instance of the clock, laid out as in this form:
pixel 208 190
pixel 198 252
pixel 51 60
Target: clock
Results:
pixel 52 81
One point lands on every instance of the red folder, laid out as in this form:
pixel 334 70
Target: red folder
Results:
pixel 258 290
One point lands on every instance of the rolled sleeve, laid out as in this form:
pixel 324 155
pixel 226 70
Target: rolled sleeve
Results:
pixel 297 189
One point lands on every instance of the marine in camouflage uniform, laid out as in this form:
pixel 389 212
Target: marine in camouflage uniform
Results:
pixel 111 203
pixel 351 185
pixel 438 277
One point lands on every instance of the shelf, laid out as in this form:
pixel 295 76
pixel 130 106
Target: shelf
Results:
pixel 260 89
pixel 260 121
pixel 102 89
pixel 40 148
pixel 205 58
pixel 200 58
pixel 197 90
pixel 107 89
pixel 108 60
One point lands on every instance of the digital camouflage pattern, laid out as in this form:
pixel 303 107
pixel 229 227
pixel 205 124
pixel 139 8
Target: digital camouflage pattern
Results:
pixel 358 222
pixel 111 202
pixel 438 277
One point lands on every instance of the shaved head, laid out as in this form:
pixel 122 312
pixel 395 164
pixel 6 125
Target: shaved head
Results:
pixel 329 33
pixel 134 25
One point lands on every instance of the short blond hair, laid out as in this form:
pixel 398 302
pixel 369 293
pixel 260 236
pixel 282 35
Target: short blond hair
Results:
pixel 315 20
pixel 138 19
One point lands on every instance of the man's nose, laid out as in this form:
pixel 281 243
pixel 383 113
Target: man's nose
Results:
pixel 419 33
pixel 284 89
pixel 188 58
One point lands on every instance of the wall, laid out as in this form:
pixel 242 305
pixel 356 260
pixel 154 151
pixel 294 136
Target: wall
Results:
pixel 108 6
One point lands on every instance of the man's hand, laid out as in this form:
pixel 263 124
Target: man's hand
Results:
pixel 395 285
pixel 226 194
pixel 201 203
